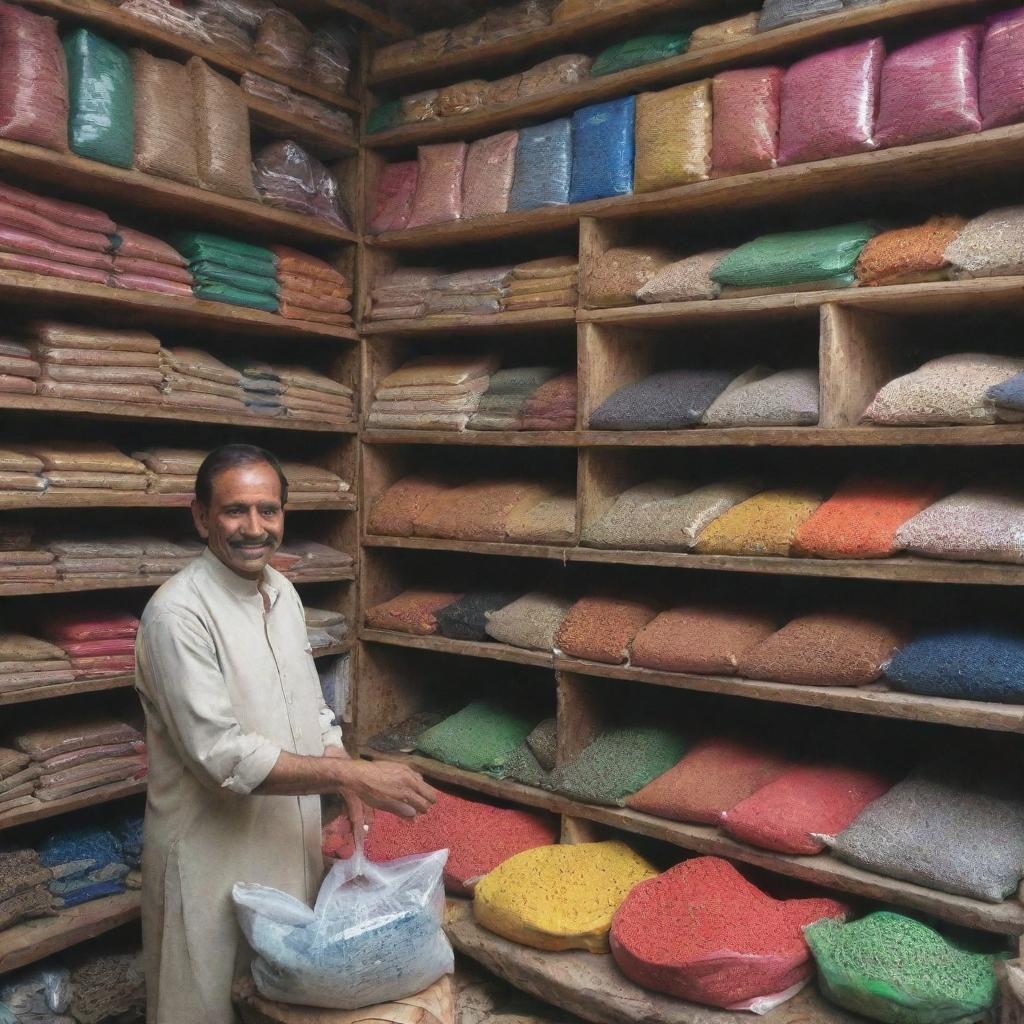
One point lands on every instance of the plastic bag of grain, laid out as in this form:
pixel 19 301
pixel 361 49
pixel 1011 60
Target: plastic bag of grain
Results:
pixel 991 245
pixel 467 36
pixel 282 41
pixel 1008 399
pixel 559 897
pixel 892 968
pixel 462 97
pixel 826 255
pixel 532 621
pixel 33 80
pixel 419 106
pixel 480 738
pixel 765 524
pixel 504 90
pixel 615 276
pixel 668 400
pixel 394 512
pixel 1000 87
pixel 602 628
pixel 285 175
pixel 101 98
pixel 602 150
pixel 515 19
pixel 829 102
pixel 165 119
pixel 438 196
pixel 466 618
pixel 330 55
pixel 412 611
pixel 222 133
pixel 788 398
pixel 745 134
pixel 396 189
pixel 950 389
pixel 714 776
pixel 929 89
pixel 543 166
pixel 739 947
pixel 909 255
pixel 673 136
pixel 640 50
pixel 553 75
pixel 776 13
pixel 721 33
pixel 685 280
pixel 487 181
pixel 955 827
pixel 384 116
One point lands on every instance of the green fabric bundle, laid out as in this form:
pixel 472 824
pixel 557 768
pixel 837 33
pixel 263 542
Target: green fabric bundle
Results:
pixel 796 257
pixel 226 270
pixel 199 245
pixel 383 118
pixel 101 99
pixel 894 969
pixel 235 296
pixel 482 737
pixel 634 53
pixel 211 272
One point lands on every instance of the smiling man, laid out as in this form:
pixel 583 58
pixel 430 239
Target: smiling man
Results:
pixel 240 743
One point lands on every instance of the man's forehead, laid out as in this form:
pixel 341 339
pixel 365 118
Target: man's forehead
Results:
pixel 247 485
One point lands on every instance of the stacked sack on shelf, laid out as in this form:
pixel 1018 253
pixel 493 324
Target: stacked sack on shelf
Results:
pixel 97 645
pixel 19 370
pixel 302 560
pixel 311 289
pixel 22 560
pixel 325 628
pixel 26 662
pixel 226 270
pixel 288 177
pixel 290 102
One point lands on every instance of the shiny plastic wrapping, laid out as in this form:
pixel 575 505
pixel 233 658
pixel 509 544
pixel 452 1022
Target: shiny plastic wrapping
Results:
pixel 223 32
pixel 33 79
pixel 514 20
pixel 1000 85
pixel 829 102
pixel 396 189
pixel 745 135
pixel 487 182
pixel 100 98
pixel 165 127
pixel 543 171
pixel 384 117
pixel 438 184
pixel 602 150
pixel 165 15
pixel 721 33
pixel 554 75
pixel 569 9
pixel 673 136
pixel 504 90
pixel 282 41
pixel 419 106
pixel 776 13
pixel 286 176
pixel 640 50
pixel 246 14
pixel 329 57
pixel 467 36
pixel 462 97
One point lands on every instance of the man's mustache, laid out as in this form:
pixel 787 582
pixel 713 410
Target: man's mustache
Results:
pixel 246 543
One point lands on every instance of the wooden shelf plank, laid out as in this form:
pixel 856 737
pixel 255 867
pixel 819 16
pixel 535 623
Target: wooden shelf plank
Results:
pixel 322 141
pixel 917 570
pixel 965 714
pixel 1006 918
pixel 369 15
pixel 108 19
pixel 49 293
pixel 28 943
pixel 42 809
pixel 887 171
pixel 27 500
pixel 471 438
pixel 100 182
pixel 763 48
pixel 516 320
pixel 60 690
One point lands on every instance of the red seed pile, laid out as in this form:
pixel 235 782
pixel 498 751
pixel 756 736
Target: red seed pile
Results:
pixel 714 777
pixel 413 611
pixel 820 798
pixel 702 932
pixel 602 628
pixel 478 837
pixel 395 511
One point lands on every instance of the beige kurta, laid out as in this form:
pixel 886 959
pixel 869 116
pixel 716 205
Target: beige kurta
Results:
pixel 226 687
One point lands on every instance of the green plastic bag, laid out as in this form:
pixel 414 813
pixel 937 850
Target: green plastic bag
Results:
pixel 235 296
pixel 796 257
pixel 482 737
pixel 894 969
pixel 198 245
pixel 209 272
pixel 101 99
pixel 634 53
pixel 386 116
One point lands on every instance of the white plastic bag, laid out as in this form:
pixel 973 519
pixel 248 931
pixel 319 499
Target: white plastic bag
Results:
pixel 374 935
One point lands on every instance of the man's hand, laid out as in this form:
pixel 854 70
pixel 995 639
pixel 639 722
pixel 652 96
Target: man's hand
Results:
pixel 360 815
pixel 388 787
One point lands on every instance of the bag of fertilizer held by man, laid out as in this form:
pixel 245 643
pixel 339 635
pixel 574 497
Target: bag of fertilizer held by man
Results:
pixel 374 935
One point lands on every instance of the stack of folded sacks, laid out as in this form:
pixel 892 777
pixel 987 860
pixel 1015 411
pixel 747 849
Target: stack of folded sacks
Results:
pixel 439 392
pixel 77 468
pixel 171 471
pixel 469 292
pixel 97 645
pixel 502 404
pixel 309 395
pixel 226 270
pixel 17 783
pixel 165 558
pixel 307 560
pixel 108 984
pixel 24 883
pixel 552 406
pixel 19 369
pixel 540 283
pixel 311 483
pixel 78 755
pixel 53 237
pixel 402 294
pixel 195 379
pixel 86 557
pixel 88 863
pixel 22 561
pixel 311 289
pixel 325 628
pixel 129 832
pixel 143 263
pixel 261 389
pixel 20 472
pixel 27 662
pixel 94 364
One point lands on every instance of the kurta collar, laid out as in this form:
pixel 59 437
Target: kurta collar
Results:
pixel 237 585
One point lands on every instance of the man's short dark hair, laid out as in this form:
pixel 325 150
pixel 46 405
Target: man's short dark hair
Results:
pixel 231 456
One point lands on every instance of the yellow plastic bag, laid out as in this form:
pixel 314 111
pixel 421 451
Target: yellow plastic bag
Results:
pixel 559 897
pixel 673 137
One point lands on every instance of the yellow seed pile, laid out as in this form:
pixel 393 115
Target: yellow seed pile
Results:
pixel 763 525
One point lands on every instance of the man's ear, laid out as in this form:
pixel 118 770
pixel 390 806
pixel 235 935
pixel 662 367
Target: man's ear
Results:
pixel 201 518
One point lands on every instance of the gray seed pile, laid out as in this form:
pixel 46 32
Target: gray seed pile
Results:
pixel 785 399
pixel 667 400
pixel 990 245
pixel 402 738
pixel 524 767
pixel 530 622
pixel 684 280
pixel 632 511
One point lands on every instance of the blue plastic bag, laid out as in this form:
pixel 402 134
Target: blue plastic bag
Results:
pixel 602 151
pixel 543 166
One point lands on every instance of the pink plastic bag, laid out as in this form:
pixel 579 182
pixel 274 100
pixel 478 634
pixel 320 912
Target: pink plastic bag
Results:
pixel 930 89
pixel 829 103
pixel 28 244
pixel 72 214
pixel 1001 85
pixel 745 129
pixel 33 79
pixel 438 184
pixel 395 191
pixel 487 182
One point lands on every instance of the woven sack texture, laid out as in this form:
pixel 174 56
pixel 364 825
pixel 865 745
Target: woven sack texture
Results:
pixel 910 254
pixel 776 13
pixel 615 277
pixel 438 195
pixel 487 182
pixel 543 171
pixel 684 280
pixel 633 513
pixel 602 150
pixel 1000 89
pixel 531 622
pixel 788 398
pixel 765 524
pixel 673 136
pixel 466 617
pixel 640 50
pixel 552 520
pixel 543 743
pixel 165 119
pixel 663 401
pixel 991 245
pixel 829 102
pixel 395 511
pixel 413 611
pixel 480 738
pixel 602 628
pixel 720 33
pixel 747 105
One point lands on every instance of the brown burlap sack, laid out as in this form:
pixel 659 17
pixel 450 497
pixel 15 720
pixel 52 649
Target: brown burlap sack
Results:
pixel 165 129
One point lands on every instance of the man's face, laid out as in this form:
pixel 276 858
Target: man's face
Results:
pixel 244 524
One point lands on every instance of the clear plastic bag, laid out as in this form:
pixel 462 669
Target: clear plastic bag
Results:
pixel 418 106
pixel 167 16
pixel 223 32
pixel 282 41
pixel 673 136
pixel 247 14
pixel 487 182
pixel 504 90
pixel 553 75
pixel 462 97
pixel 288 177
pixel 38 994
pixel 543 166
pixel 373 936
pixel 603 146
pixel 1000 87
pixel 330 57
pixel 745 132
pixel 776 13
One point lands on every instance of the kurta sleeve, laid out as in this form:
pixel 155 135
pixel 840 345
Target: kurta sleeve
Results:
pixel 183 679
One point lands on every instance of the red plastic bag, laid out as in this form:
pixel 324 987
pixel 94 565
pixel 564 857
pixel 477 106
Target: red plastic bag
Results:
pixel 745 128
pixel 396 189
pixel 438 184
pixel 1001 85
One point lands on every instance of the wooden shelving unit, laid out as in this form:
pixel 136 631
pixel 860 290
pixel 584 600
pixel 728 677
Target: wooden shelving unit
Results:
pixel 41 809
